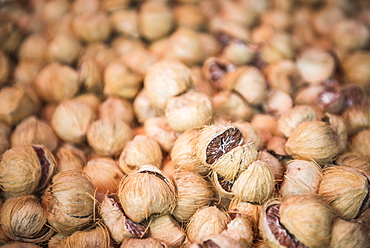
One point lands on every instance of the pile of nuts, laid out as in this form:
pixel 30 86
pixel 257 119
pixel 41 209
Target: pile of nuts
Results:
pixel 184 123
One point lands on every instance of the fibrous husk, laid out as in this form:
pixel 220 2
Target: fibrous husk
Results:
pixel 165 79
pixel 214 69
pixel 24 219
pixel 339 125
pixel 142 243
pixel 297 221
pixel 166 229
pixel 240 229
pixel 119 225
pixel 206 221
pixel 354 160
pixel 26 169
pixel 248 210
pixel 221 241
pixel 295 116
pixel 116 107
pixel 17 103
pixel 33 130
pixel 182 153
pixel 346 190
pixel 143 108
pixel 222 186
pixel 139 151
pixel 108 136
pixel 69 200
pixel 69 157
pixel 360 143
pixel 91 26
pixel 20 245
pixel 104 174
pixel 357 118
pixel 4 135
pixel 90 75
pixel 277 167
pixel 96 237
pixel 250 134
pixel 255 184
pixel 348 234
pixel 147 191
pixel 354 67
pixel 313 140
pixel 71 119
pixel 193 192
pixel 301 177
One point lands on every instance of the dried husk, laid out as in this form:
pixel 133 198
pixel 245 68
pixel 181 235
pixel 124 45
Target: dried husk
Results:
pixel 193 192
pixel 116 107
pixel 214 69
pixel 25 170
pixel 104 174
pixel 25 72
pixel 278 102
pixel 108 136
pixel 5 67
pixel 33 130
pixel 339 125
pixel 222 186
pixel 33 49
pixel 189 16
pixel 71 120
pixel 277 167
pixel 278 47
pixel 249 82
pixel 348 234
pixel 165 79
pixel 182 153
pixel 102 53
pixel 315 65
pixel 155 20
pixel 290 120
pixel 90 99
pixel 247 210
pixel 24 219
pixel 124 21
pixel 158 129
pixel 239 12
pixel 114 5
pixel 69 200
pixel 90 75
pixel 55 240
pixel 238 53
pixel 139 60
pixel 276 18
pixel 180 111
pixel 240 229
pixel 355 69
pixel 142 243
pixel 354 160
pixel 143 108
pixel 91 27
pixel 90 238
pixel 63 48
pixel 255 184
pixel 357 118
pixel 311 229
pixel 120 81
pixel 184 45
pixel 219 240
pixel 167 230
pixel 17 103
pixel 230 106
pixel 69 157
pixel 20 245
pixel 205 222
pixel 346 190
pixel 250 134
pixel 301 177
pixel 145 192
pixel 120 227
pixel 313 140
pixel 64 84
pixel 4 137
pixel 265 124
pixel 351 35
pixel 139 151
pixel 230 164
pixel 360 143
pixel 228 29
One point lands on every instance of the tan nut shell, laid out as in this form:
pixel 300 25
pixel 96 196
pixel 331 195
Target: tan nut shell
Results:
pixel 22 170
pixel 142 243
pixel 23 219
pixel 69 201
pixel 222 241
pixel 165 79
pixel 301 177
pixel 206 221
pixel 166 229
pixel 255 184
pixel 145 192
pixel 240 229
pixel 248 210
pixel 313 140
pixel 33 130
pixel 71 119
pixel 193 191
pixel 345 189
pixel 108 136
pixel 139 151
pixel 348 234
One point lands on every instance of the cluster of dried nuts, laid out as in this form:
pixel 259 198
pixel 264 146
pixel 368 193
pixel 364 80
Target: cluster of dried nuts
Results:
pixel 185 123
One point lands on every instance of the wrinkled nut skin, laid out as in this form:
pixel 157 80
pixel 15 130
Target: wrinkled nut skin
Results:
pixel 145 192
pixel 25 170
